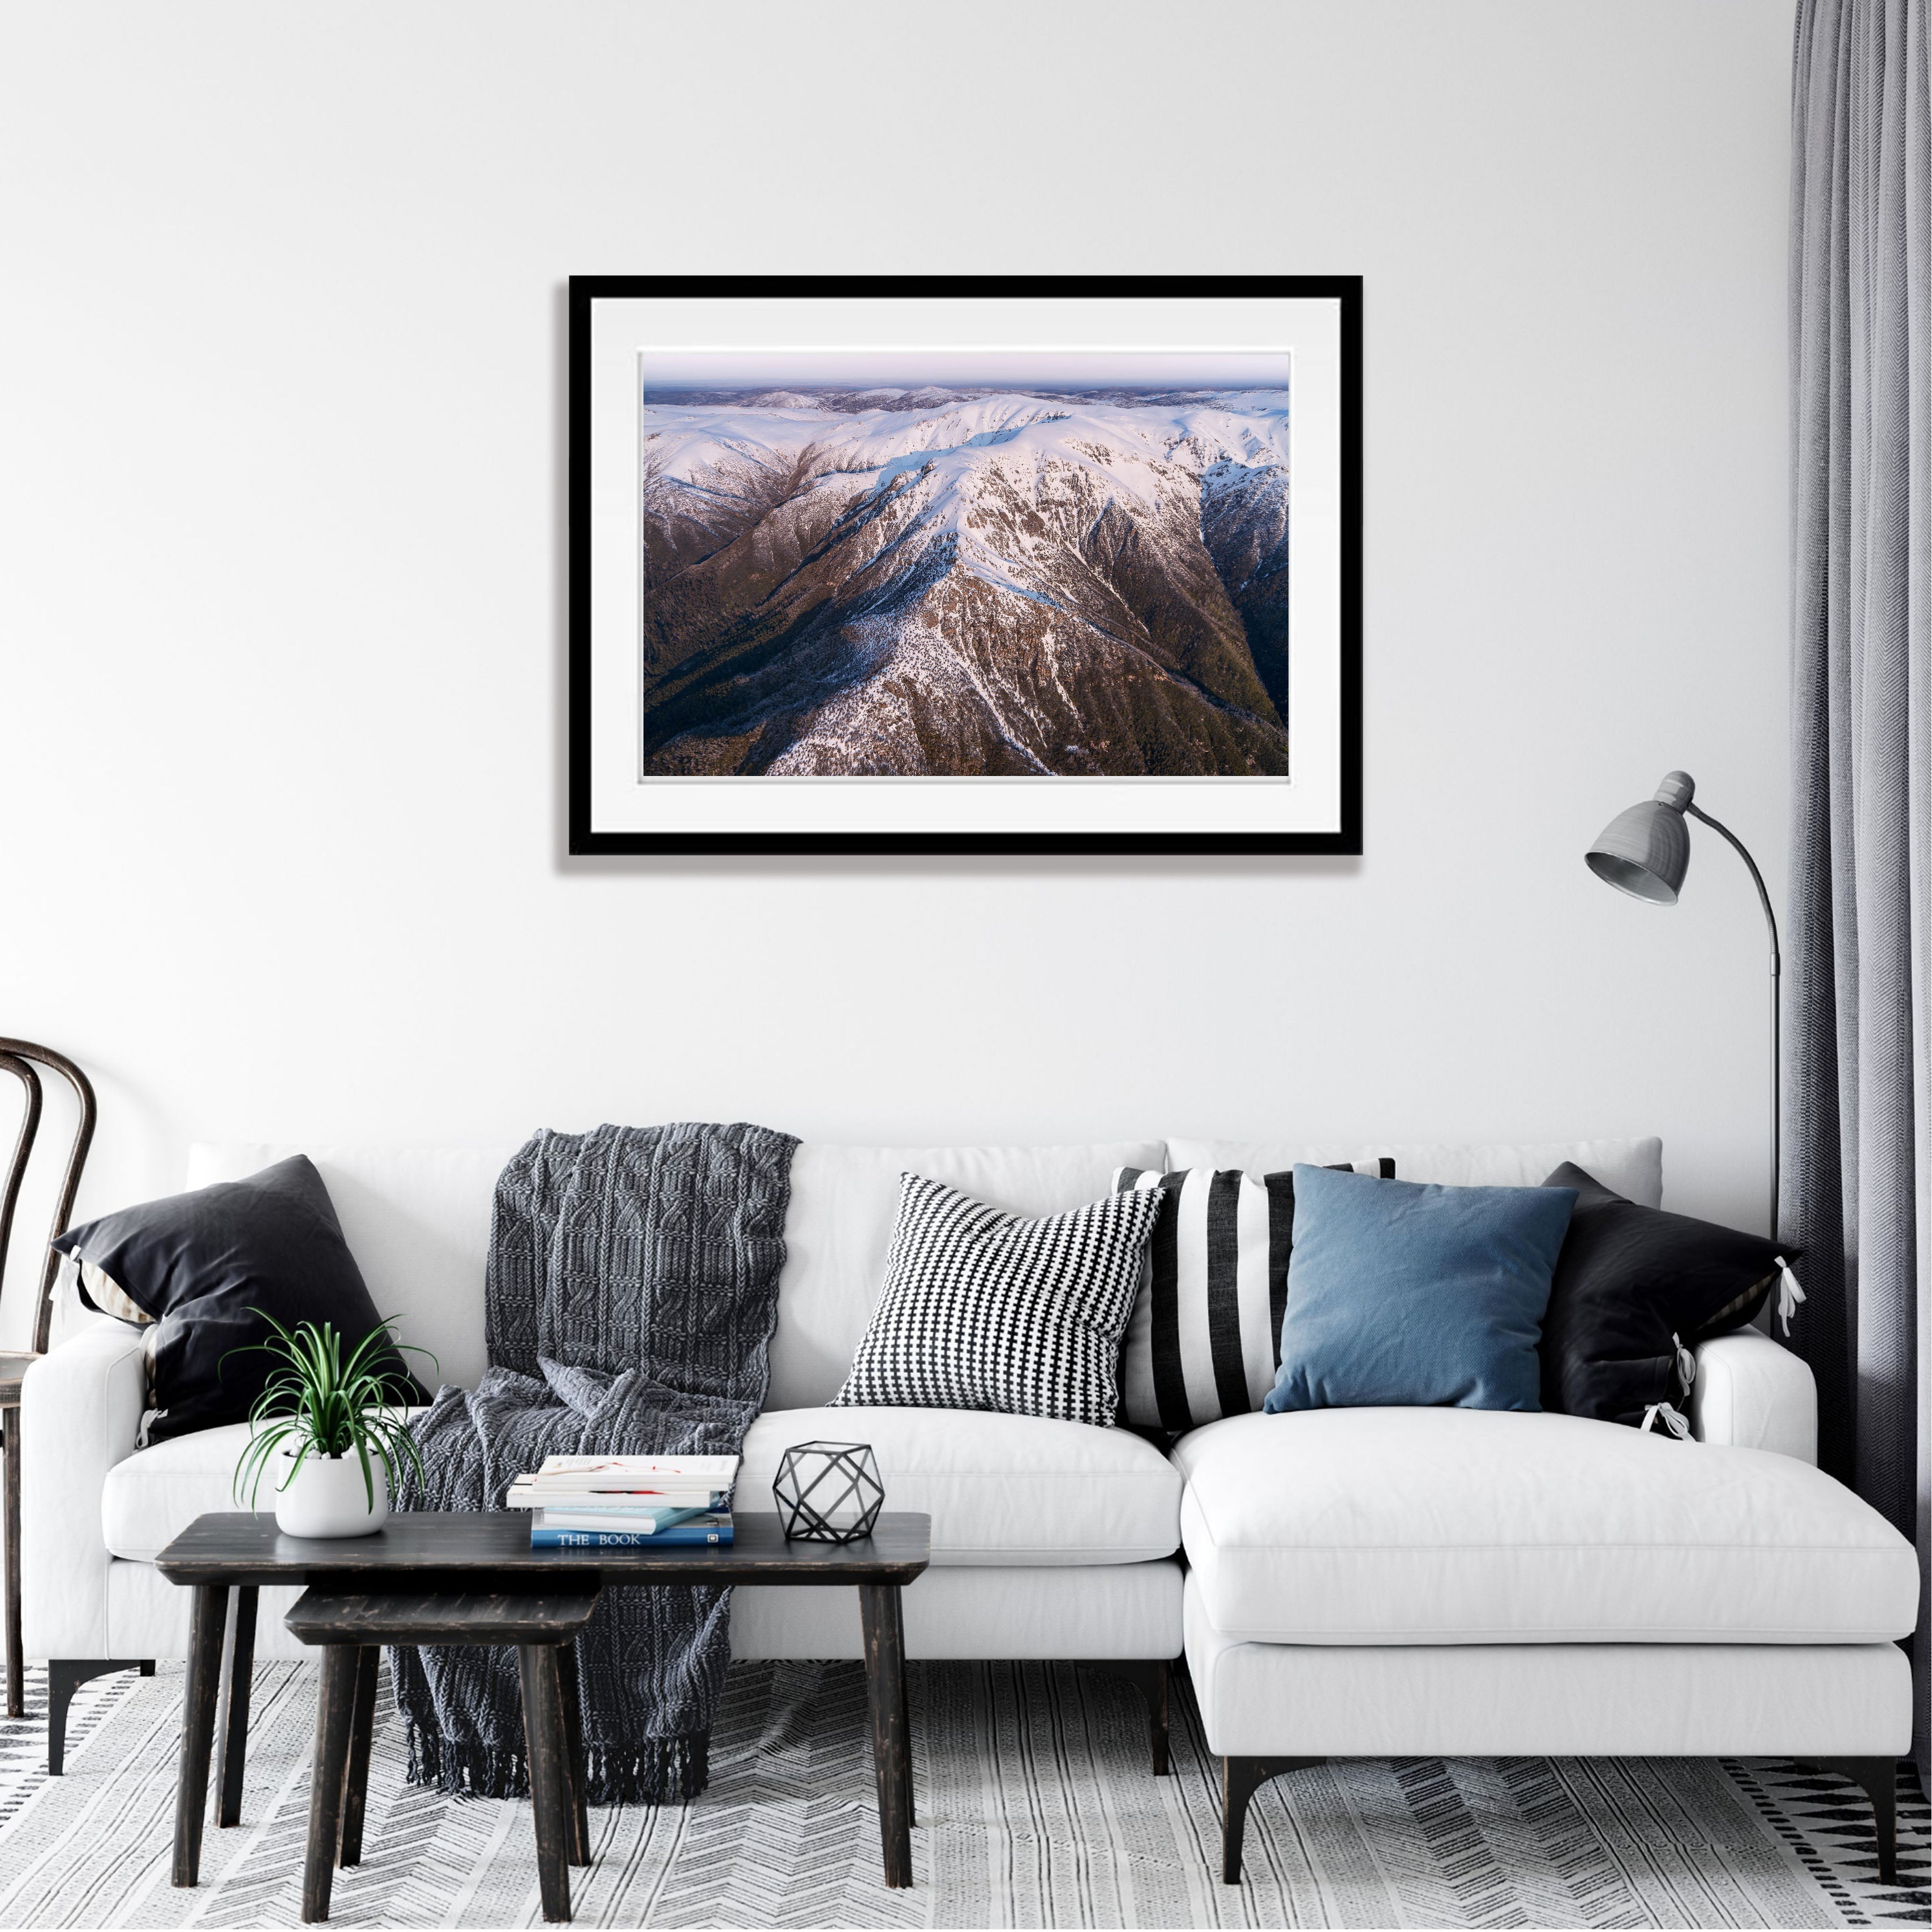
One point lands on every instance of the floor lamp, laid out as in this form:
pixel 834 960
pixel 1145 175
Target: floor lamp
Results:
pixel 1645 851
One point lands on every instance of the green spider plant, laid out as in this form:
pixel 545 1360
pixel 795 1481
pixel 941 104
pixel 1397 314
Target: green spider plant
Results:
pixel 320 1405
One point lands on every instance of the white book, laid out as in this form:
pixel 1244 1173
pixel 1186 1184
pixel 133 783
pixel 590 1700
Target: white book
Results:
pixel 615 1502
pixel 578 1486
pixel 593 1486
pixel 716 1473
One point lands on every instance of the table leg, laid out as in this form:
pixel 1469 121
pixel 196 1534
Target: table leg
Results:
pixel 905 1709
pixel 17 1664
pixel 573 1751
pixel 885 1693
pixel 355 1773
pixel 205 1632
pixel 232 1730
pixel 335 1715
pixel 550 1792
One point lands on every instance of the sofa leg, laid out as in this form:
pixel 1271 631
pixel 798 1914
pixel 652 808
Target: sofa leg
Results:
pixel 1241 1777
pixel 1153 1680
pixel 1878 1778
pixel 65 1676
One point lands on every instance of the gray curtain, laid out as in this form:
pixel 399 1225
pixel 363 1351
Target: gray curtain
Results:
pixel 1857 1139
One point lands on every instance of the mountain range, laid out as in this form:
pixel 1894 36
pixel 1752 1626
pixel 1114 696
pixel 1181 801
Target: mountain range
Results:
pixel 944 582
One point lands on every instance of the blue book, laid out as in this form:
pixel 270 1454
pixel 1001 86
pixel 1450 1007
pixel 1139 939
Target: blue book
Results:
pixel 682 1533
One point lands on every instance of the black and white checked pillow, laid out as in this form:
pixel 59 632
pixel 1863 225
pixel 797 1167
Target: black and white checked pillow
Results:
pixel 1204 1340
pixel 984 1310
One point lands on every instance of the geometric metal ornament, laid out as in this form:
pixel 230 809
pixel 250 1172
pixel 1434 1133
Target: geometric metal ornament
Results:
pixel 829 1491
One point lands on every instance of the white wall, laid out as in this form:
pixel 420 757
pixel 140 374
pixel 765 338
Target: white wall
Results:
pixel 281 580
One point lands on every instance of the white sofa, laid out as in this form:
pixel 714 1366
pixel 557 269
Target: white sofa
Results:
pixel 1367 1582
pixel 1050 1539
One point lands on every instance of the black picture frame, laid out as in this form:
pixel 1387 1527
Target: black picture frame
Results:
pixel 586 839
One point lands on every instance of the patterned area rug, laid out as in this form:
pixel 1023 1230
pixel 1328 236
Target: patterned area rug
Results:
pixel 1035 1808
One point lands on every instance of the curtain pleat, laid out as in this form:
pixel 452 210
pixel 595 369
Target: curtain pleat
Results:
pixel 1858 1130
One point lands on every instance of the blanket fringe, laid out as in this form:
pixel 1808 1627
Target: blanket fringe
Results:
pixel 654 1770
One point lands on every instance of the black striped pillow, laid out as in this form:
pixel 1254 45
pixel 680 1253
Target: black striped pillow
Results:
pixel 1204 1340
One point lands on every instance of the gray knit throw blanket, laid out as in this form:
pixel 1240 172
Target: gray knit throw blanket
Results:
pixel 632 1288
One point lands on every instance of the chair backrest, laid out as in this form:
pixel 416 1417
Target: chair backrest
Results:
pixel 21 1058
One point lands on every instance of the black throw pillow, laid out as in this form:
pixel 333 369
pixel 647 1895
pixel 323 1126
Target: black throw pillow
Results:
pixel 1632 1284
pixel 202 1263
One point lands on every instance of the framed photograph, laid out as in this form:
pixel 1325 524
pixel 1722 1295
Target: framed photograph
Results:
pixel 1012 564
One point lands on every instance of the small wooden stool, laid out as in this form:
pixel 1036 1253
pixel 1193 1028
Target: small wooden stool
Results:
pixel 350 1626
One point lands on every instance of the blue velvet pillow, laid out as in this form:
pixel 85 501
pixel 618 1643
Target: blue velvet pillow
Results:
pixel 1404 1295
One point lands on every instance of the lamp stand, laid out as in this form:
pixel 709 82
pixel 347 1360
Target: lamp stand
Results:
pixel 1777 992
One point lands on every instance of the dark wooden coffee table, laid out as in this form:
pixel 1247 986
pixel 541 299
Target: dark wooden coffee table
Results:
pixel 482 1550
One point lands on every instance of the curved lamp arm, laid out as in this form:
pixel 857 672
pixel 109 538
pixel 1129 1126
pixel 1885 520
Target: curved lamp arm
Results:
pixel 1757 878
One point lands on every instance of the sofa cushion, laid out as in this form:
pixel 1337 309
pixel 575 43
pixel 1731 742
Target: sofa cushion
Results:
pixel 220 1270
pixel 839 1224
pixel 985 1310
pixel 1637 1289
pixel 152 1496
pixel 417 1219
pixel 1454 1525
pixel 1405 1291
pixel 1204 1336
pixel 1000 1489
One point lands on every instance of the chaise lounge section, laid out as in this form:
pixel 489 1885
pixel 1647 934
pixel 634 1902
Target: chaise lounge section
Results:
pixel 1463 1582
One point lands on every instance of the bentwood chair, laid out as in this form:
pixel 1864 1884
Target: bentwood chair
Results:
pixel 21 1058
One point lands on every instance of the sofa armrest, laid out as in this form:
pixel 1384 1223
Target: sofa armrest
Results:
pixel 1752 1392
pixel 80 1413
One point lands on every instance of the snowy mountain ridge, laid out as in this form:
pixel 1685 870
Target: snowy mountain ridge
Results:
pixel 995 582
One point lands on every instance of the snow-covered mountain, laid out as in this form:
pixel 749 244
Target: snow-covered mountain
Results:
pixel 945 581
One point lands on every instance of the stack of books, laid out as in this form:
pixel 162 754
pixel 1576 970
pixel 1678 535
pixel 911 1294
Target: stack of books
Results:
pixel 627 1502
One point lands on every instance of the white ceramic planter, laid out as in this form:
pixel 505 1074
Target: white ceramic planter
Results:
pixel 326 1496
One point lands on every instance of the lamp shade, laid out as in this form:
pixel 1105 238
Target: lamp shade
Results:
pixel 1646 850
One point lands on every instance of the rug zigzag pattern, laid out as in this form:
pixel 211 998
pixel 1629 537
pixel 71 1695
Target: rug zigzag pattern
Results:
pixel 1829 1828
pixel 1035 1807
